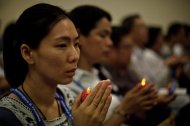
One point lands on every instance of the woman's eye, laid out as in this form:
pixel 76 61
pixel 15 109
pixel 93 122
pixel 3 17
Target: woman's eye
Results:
pixel 77 44
pixel 62 45
pixel 102 35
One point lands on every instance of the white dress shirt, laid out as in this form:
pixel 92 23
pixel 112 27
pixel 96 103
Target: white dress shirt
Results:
pixel 150 66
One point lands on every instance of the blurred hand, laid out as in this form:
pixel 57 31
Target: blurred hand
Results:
pixel 170 121
pixel 184 59
pixel 171 61
pixel 139 99
pixel 92 111
pixel 165 99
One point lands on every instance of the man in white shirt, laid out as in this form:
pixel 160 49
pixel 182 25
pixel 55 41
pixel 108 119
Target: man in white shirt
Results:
pixel 94 26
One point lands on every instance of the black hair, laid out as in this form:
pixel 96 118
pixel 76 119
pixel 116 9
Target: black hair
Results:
pixel 187 29
pixel 182 118
pixel 153 33
pixel 31 27
pixel 86 17
pixel 7 37
pixel 129 21
pixel 173 29
pixel 117 34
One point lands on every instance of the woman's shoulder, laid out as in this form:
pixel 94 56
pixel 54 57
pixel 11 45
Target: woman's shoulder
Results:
pixel 68 95
pixel 18 109
pixel 6 115
pixel 11 103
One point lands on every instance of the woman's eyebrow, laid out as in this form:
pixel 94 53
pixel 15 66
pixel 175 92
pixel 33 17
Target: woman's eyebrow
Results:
pixel 77 37
pixel 105 31
pixel 67 38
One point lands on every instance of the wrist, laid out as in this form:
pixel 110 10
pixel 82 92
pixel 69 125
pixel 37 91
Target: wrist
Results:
pixel 120 112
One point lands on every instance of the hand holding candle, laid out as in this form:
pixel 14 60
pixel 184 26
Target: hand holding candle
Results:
pixel 95 104
pixel 85 94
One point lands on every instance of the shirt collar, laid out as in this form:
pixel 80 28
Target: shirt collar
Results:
pixel 81 72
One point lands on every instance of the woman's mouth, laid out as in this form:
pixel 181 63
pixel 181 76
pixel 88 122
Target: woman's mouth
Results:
pixel 71 73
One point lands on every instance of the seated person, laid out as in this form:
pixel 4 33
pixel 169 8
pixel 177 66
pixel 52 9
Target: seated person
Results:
pixel 44 53
pixel 118 60
pixel 117 66
pixel 94 26
pixel 4 86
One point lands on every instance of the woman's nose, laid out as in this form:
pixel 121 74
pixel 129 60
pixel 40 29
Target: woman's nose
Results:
pixel 109 42
pixel 74 55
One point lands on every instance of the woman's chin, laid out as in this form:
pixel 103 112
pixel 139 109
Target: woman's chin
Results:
pixel 67 81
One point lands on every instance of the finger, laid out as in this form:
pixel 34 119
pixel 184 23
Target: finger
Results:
pixel 148 107
pixel 104 111
pixel 104 98
pixel 99 95
pixel 77 102
pixel 93 93
pixel 134 89
pixel 138 88
pixel 173 97
pixel 152 87
pixel 148 103
pixel 170 98
pixel 150 98
pixel 146 89
pixel 152 95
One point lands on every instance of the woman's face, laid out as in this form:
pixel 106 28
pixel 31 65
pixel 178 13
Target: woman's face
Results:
pixel 158 43
pixel 140 32
pixel 96 45
pixel 124 51
pixel 55 60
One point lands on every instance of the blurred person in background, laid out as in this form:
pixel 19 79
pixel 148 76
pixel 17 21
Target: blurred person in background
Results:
pixel 138 32
pixel 184 70
pixel 152 55
pixel 94 26
pixel 154 44
pixel 187 39
pixel 118 60
pixel 174 46
pixel 177 45
pixel 174 40
pixel 4 86
pixel 145 68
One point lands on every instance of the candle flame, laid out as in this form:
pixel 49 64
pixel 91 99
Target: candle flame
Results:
pixel 143 82
pixel 88 90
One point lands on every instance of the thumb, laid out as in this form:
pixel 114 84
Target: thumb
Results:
pixel 77 102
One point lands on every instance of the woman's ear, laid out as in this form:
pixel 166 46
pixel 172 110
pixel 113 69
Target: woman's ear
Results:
pixel 82 38
pixel 78 31
pixel 84 41
pixel 27 53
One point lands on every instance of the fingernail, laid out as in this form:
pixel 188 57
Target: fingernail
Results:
pixel 110 86
pixel 108 80
pixel 100 83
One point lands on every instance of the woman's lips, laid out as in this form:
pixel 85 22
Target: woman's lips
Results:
pixel 71 73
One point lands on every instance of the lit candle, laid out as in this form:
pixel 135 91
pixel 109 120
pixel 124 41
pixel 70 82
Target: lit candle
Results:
pixel 85 94
pixel 143 82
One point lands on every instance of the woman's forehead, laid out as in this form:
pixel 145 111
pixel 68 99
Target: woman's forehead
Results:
pixel 64 27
